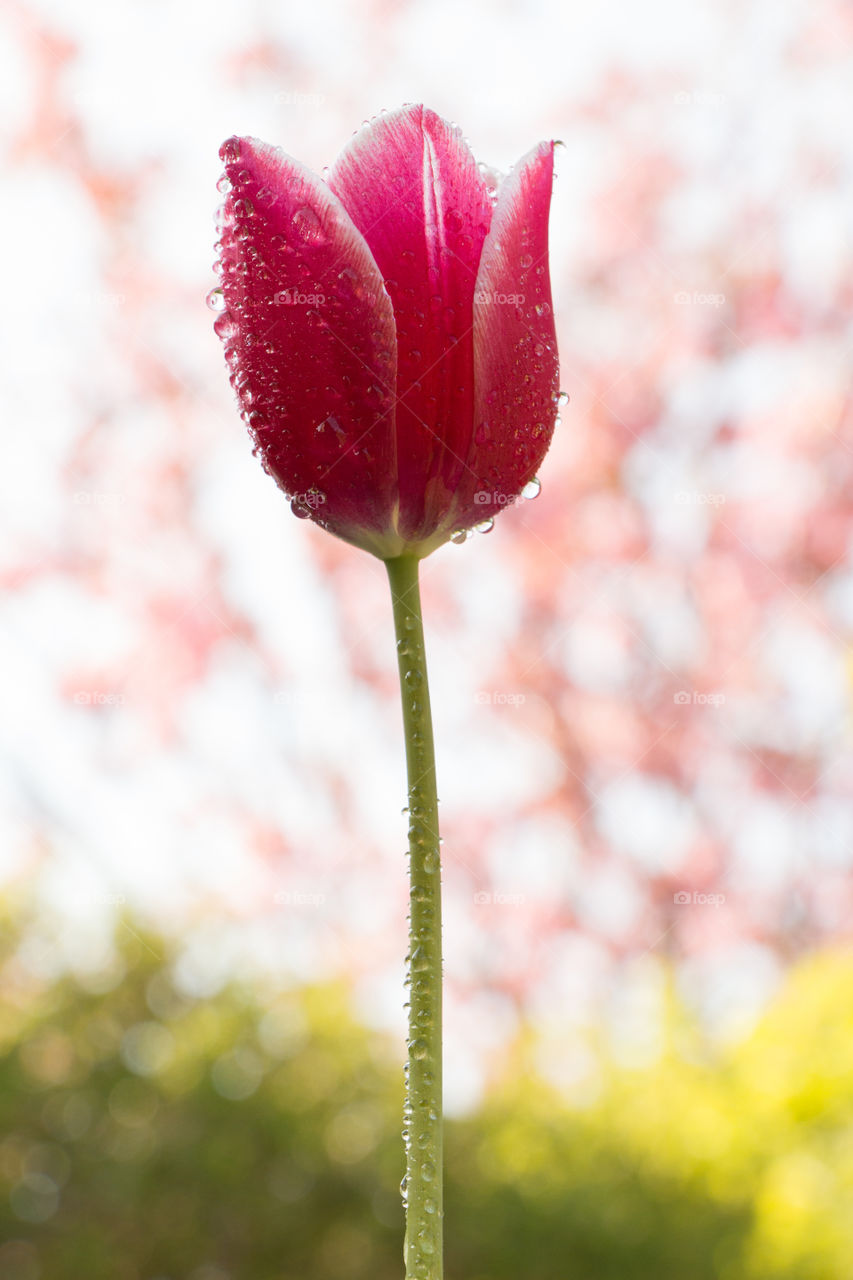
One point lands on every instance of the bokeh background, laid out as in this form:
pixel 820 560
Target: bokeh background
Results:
pixel 642 679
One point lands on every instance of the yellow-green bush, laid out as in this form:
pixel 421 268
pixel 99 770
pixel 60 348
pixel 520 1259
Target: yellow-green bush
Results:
pixel 255 1136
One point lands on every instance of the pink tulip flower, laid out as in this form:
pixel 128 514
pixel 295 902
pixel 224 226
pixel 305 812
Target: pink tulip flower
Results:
pixel 389 328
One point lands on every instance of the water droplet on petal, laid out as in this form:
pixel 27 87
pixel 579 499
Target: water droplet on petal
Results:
pixel 229 152
pixel 485 526
pixel 308 225
pixel 216 299
pixel 243 209
pixel 299 509
pixel 459 536
pixel 532 489
pixel 562 397
pixel 525 261
pixel 223 185
pixel 224 326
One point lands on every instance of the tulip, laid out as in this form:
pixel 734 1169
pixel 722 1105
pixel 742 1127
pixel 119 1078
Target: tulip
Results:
pixel 391 342
pixel 390 329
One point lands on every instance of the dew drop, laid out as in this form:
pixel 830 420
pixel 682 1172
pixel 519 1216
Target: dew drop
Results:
pixel 414 678
pixel 243 209
pixel 224 326
pixel 485 526
pixel 229 152
pixel 299 510
pixel 532 489
pixel 428 1171
pixel 429 1205
pixel 562 397
pixel 430 861
pixel 459 536
pixel 223 185
pixel 426 1242
pixel 525 261
pixel 216 299
pixel 308 225
pixel 419 1049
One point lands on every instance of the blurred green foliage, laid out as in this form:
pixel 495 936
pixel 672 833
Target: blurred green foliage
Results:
pixel 254 1135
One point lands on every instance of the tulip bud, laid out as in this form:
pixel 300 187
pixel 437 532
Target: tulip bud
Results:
pixel 389 331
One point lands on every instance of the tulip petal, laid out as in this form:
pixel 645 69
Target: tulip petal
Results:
pixel 309 333
pixel 516 370
pixel 412 187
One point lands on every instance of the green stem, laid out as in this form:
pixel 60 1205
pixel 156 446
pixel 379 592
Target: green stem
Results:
pixel 423 1109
